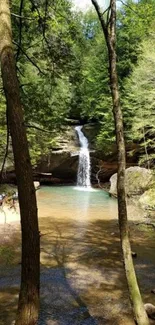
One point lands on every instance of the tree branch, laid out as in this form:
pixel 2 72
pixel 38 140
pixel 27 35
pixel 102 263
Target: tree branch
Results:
pixel 21 17
pixel 146 224
pixel 101 18
pixel 29 59
pixel 37 128
pixel 129 7
pixel 97 177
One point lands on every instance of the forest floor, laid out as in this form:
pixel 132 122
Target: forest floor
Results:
pixel 82 276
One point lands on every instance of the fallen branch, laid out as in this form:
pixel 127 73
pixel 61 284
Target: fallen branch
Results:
pixel 145 224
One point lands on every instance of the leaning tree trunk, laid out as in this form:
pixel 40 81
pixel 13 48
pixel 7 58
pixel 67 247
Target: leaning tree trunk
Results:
pixel 28 305
pixel 109 30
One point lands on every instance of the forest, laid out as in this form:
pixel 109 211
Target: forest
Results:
pixel 77 156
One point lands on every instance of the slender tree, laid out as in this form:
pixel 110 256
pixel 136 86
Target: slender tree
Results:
pixel 108 24
pixel 28 305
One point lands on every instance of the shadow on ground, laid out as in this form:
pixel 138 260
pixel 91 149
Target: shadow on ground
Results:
pixel 82 277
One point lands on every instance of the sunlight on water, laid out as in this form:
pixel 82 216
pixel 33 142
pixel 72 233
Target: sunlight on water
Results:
pixel 85 189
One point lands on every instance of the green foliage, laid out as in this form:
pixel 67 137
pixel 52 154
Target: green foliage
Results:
pixel 134 23
pixel 62 67
pixel 139 101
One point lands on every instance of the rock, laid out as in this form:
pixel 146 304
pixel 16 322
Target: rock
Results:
pixel 137 182
pixel 147 200
pixel 150 309
pixel 61 164
pixel 91 130
pixel 36 185
pixel 60 161
pixel 70 121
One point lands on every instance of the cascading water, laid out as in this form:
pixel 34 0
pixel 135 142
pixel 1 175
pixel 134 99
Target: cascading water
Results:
pixel 83 176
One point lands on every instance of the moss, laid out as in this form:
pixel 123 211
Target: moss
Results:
pixel 148 198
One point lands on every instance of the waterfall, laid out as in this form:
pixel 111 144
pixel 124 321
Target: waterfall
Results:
pixel 83 176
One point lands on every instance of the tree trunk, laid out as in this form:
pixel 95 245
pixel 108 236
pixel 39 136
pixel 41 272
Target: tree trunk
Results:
pixel 109 30
pixel 28 305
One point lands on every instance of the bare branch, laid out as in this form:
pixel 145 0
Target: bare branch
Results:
pixel 146 224
pixel 29 59
pixel 23 85
pixel 97 176
pixel 21 17
pixel 105 11
pixel 101 18
pixel 128 6
pixel 107 18
pixel 37 128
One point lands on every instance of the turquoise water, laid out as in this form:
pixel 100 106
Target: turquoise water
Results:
pixel 71 202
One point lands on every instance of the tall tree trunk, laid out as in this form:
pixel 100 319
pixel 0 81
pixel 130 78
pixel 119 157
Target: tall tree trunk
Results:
pixel 28 305
pixel 109 30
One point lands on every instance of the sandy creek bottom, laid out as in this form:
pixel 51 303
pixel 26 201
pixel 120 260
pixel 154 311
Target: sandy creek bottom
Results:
pixel 82 277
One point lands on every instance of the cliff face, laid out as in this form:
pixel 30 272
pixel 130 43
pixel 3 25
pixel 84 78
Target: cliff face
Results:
pixel 61 164
pixel 62 161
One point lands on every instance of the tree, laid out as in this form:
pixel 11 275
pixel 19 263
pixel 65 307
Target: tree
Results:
pixel 28 305
pixel 139 101
pixel 108 24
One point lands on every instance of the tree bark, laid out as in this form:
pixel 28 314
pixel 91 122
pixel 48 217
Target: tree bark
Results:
pixel 28 305
pixel 109 30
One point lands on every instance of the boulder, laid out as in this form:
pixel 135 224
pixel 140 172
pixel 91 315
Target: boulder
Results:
pixel 91 130
pixel 138 180
pixel 147 199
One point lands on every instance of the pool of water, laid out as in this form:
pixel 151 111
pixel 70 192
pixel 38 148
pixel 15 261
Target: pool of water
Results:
pixel 76 203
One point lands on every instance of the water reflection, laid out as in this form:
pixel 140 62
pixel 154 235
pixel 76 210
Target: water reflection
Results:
pixel 82 204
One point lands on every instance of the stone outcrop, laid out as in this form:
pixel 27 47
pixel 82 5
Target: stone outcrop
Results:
pixel 62 161
pixel 60 165
pixel 138 180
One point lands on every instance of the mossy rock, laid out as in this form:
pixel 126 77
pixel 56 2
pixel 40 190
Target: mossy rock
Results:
pixel 137 181
pixel 147 200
